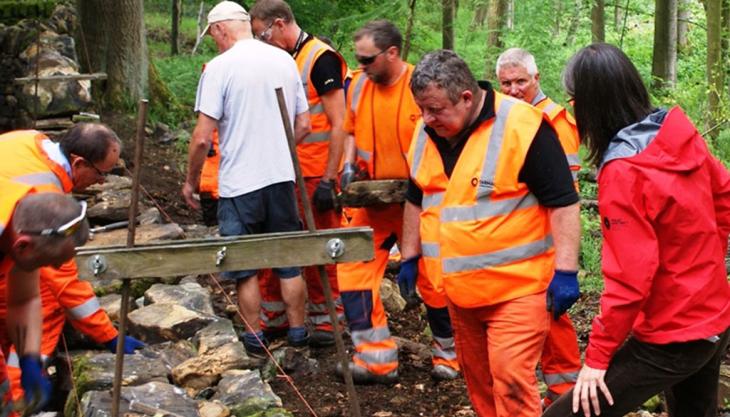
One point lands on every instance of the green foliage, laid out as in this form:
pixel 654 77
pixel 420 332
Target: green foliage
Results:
pixel 590 252
pixel 14 10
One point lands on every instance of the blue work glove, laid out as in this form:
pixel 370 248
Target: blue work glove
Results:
pixel 130 345
pixel 562 292
pixel 407 281
pixel 349 172
pixel 324 196
pixel 36 387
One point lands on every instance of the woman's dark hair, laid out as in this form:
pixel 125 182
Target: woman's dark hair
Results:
pixel 608 92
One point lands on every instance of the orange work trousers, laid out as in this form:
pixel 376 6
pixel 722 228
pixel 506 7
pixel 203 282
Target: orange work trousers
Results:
pixel 560 358
pixel 443 350
pixel 498 347
pixel 359 284
pixel 273 311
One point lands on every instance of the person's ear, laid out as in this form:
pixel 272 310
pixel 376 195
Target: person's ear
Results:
pixel 468 97
pixel 23 245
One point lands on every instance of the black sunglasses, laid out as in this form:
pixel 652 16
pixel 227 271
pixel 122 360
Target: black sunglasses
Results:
pixel 367 60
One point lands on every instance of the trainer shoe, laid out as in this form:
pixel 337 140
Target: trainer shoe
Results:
pixel 321 338
pixel 443 372
pixel 363 376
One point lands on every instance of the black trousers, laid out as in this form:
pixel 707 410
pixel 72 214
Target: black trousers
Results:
pixel 687 372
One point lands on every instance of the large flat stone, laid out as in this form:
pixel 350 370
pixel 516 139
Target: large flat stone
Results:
pixel 205 370
pixel 191 296
pixel 160 322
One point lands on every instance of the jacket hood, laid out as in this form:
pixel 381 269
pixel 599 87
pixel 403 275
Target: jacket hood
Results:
pixel 665 139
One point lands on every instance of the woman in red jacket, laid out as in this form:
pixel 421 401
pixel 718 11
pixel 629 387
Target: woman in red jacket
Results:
pixel 664 203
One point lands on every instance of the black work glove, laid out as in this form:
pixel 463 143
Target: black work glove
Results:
pixel 324 196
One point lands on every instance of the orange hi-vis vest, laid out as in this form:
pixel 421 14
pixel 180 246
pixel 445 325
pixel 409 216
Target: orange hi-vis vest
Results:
pixel 490 235
pixel 313 151
pixel 405 112
pixel 25 161
pixel 209 173
pixel 564 124
pixel 11 193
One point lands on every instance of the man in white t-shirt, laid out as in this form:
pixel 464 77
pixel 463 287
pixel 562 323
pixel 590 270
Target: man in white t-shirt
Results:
pixel 236 95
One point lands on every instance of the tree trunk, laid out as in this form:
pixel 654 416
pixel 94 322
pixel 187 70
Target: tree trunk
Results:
pixel 574 21
pixel 496 22
pixel 510 14
pixel 409 29
pixel 726 41
pixel 715 68
pixel 481 9
pixel 682 24
pixel 598 21
pixel 175 30
pixel 127 53
pixel 447 24
pixel 664 61
pixel 558 7
pixel 93 36
pixel 616 15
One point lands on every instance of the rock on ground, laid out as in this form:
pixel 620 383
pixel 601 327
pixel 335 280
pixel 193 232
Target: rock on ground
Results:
pixel 160 322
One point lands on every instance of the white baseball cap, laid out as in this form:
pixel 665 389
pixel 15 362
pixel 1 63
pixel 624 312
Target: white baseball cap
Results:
pixel 226 10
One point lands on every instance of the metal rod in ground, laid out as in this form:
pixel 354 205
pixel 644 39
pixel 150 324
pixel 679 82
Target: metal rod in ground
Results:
pixel 323 278
pixel 131 229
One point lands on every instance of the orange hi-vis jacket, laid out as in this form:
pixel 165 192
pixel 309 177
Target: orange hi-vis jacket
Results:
pixel 25 161
pixel 209 174
pixel 492 237
pixel 313 151
pixel 365 102
pixel 564 124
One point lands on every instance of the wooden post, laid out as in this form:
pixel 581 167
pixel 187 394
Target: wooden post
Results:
pixel 344 361
pixel 119 363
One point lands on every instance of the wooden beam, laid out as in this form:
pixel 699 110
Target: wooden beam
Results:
pixel 64 77
pixel 241 252
pixel 373 193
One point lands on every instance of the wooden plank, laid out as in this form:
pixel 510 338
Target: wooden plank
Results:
pixel 64 77
pixel 242 252
pixel 373 193
pixel 57 123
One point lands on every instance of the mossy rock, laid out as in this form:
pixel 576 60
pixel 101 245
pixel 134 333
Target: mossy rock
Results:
pixel 249 409
pixel 13 10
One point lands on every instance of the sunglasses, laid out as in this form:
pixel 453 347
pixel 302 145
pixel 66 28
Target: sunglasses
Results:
pixel 65 230
pixel 367 60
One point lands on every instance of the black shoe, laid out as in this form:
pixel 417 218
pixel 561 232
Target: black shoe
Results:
pixel 442 372
pixel 322 338
pixel 362 376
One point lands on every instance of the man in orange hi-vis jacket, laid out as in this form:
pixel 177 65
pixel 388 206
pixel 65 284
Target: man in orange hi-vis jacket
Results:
pixel 518 77
pixel 82 157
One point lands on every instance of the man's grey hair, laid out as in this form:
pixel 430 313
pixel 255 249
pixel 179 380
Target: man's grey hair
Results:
pixel 48 210
pixel 444 69
pixel 517 57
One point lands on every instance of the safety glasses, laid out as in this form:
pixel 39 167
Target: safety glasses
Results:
pixel 65 230
pixel 266 33
pixel 367 60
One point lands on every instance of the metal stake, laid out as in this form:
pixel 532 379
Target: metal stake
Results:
pixel 119 362
pixel 324 280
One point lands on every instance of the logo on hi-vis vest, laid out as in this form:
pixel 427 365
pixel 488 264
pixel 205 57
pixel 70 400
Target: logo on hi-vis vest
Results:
pixel 481 183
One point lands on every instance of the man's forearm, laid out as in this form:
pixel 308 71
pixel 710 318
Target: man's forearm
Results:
pixel 410 244
pixel 24 318
pixel 336 147
pixel 348 151
pixel 565 225
pixel 197 151
pixel 302 126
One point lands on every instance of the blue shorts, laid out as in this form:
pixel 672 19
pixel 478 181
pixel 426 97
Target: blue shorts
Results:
pixel 268 210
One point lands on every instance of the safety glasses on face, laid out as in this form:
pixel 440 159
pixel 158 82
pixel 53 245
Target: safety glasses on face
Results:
pixel 367 60
pixel 65 230
pixel 265 34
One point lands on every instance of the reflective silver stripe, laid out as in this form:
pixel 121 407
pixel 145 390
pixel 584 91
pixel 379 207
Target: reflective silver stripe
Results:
pixel 14 362
pixel 317 137
pixel 324 318
pixel 496 258
pixel 376 334
pixel 432 200
pixel 555 379
pixel 549 108
pixel 40 178
pixel 383 356
pixel 316 109
pixel 364 155
pixel 356 91
pixel 486 207
pixel 419 150
pixel 575 175
pixel 273 306
pixel 321 308
pixel 573 158
pixel 496 138
pixel 443 348
pixel 430 250
pixel 308 64
pixel 278 321
pixel 85 309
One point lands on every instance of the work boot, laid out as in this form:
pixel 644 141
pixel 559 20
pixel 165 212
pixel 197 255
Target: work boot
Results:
pixel 254 348
pixel 363 376
pixel 298 337
pixel 321 338
pixel 443 372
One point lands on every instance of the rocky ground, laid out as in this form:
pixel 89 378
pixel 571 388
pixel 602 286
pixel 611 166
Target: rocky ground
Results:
pixel 194 364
